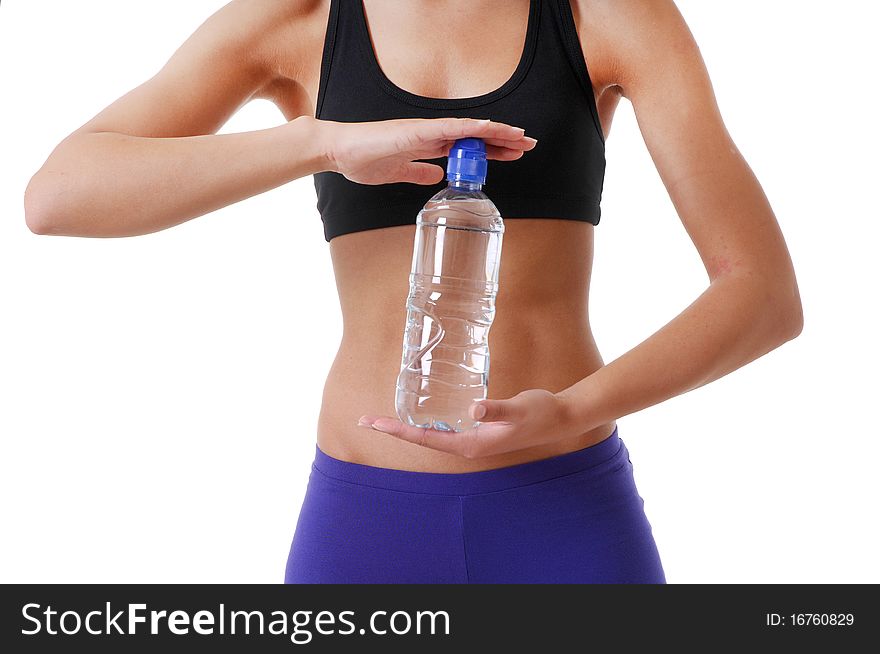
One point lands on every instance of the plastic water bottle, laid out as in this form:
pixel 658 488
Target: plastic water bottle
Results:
pixel 451 302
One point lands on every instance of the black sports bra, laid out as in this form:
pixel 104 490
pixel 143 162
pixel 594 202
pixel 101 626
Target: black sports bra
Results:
pixel 550 95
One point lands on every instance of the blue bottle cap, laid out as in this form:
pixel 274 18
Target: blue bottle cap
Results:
pixel 467 161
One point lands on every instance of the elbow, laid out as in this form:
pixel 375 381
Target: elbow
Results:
pixel 793 324
pixel 789 313
pixel 39 215
pixel 48 211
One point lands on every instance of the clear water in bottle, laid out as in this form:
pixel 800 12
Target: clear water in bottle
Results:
pixel 451 302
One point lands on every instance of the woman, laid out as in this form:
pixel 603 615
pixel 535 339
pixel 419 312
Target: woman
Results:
pixel 375 93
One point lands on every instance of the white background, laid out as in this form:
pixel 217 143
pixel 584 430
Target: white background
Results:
pixel 159 395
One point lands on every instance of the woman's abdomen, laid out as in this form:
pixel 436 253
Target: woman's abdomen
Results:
pixel 540 338
pixel 363 381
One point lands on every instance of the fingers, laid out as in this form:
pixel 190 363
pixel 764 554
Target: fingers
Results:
pixel 433 438
pixel 418 435
pixel 456 128
pixel 450 129
pixel 493 410
pixel 525 143
pixel 503 154
pixel 432 138
pixel 471 443
pixel 418 172
pixel 434 151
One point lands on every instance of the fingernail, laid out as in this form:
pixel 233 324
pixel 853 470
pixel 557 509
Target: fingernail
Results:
pixel 362 422
pixel 531 140
pixel 479 411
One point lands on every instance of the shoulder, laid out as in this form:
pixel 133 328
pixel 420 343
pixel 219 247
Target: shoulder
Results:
pixel 288 42
pixel 267 32
pixel 624 40
pixel 253 16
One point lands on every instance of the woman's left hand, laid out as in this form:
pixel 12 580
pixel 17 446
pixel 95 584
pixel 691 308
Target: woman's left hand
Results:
pixel 532 417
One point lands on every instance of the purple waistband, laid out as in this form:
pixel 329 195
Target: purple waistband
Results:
pixel 468 483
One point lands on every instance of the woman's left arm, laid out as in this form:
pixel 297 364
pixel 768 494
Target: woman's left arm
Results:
pixel 752 304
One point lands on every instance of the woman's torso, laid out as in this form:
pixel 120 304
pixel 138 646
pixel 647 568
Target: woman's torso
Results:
pixel 541 335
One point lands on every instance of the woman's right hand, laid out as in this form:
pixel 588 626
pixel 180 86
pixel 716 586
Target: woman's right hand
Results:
pixel 382 152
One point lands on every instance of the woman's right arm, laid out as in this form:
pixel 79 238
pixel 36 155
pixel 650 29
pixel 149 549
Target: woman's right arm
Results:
pixel 152 159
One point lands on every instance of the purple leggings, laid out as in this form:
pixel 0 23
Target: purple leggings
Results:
pixel 572 518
